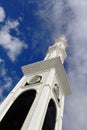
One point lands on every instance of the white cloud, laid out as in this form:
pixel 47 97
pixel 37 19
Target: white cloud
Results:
pixel 78 77
pixel 72 14
pixel 1 60
pixel 2 67
pixel 5 80
pixel 2 14
pixel 8 82
pixel 80 22
pixel 11 44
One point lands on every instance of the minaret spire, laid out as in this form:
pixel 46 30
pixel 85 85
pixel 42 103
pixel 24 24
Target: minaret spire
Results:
pixel 37 101
pixel 58 49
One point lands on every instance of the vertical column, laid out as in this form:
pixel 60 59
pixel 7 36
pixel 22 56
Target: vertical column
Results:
pixel 61 113
pixel 40 110
pixel 59 119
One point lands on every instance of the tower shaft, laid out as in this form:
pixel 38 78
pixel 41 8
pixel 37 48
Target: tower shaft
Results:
pixel 37 101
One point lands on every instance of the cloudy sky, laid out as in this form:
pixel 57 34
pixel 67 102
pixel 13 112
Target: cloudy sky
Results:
pixel 27 29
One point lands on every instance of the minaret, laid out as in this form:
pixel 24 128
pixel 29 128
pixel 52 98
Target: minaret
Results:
pixel 37 101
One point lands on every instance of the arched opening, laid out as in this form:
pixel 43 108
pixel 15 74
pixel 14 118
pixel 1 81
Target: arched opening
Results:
pixel 50 118
pixel 15 116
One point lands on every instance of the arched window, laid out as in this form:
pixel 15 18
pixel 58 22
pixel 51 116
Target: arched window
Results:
pixel 50 118
pixel 15 116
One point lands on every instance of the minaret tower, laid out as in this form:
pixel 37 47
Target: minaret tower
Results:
pixel 37 101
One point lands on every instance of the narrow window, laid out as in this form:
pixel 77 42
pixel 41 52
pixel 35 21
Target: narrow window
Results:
pixel 57 92
pixel 15 116
pixel 50 119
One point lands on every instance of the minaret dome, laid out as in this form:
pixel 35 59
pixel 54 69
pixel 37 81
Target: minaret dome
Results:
pixel 61 42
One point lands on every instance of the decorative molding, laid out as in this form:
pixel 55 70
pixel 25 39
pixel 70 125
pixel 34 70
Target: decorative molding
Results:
pixel 47 65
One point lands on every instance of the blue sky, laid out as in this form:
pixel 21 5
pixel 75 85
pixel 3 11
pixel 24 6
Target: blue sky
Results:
pixel 27 29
